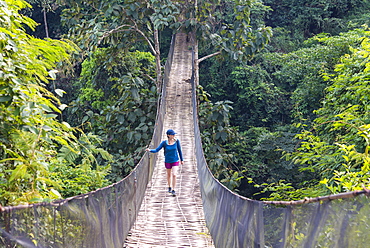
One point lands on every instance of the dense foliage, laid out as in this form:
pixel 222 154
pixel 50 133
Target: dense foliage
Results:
pixel 277 95
pixel 115 99
pixel 34 143
pixel 337 145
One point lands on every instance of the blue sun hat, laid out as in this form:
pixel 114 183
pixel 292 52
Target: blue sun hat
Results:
pixel 170 132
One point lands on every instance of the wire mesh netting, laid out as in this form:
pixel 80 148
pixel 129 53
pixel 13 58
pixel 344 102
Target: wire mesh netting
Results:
pixel 99 219
pixel 234 221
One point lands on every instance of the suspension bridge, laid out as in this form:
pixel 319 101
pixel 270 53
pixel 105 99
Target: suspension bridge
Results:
pixel 163 220
pixel 139 212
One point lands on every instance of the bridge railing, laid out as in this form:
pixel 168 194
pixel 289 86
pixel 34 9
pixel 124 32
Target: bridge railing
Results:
pixel 234 221
pixel 98 219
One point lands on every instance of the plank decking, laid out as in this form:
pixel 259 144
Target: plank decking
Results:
pixel 164 220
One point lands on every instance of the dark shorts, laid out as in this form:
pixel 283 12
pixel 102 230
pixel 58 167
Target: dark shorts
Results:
pixel 169 165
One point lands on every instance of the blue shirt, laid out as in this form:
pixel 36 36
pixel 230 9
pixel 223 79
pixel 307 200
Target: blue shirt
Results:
pixel 171 152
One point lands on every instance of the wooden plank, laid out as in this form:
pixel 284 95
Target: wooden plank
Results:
pixel 164 220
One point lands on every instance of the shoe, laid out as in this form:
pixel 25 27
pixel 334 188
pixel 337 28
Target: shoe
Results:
pixel 173 193
pixel 169 190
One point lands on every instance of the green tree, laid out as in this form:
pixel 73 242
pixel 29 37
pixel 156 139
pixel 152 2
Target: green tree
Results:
pixel 303 70
pixel 30 134
pixel 274 88
pixel 216 133
pixel 299 73
pixel 257 101
pixel 224 24
pixel 272 91
pixel 338 144
pixel 308 18
pixel 120 24
pixel 46 6
pixel 115 99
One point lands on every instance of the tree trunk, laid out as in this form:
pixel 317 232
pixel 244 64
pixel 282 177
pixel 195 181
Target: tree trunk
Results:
pixel 196 60
pixel 158 61
pixel 45 23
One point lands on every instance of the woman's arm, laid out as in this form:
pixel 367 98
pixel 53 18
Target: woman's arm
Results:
pixel 158 148
pixel 179 150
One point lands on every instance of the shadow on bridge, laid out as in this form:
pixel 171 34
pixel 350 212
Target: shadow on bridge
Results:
pixel 105 218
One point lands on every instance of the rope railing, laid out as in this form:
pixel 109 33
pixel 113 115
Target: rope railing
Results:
pixel 344 195
pixel 100 219
pixel 339 220
pixel 97 219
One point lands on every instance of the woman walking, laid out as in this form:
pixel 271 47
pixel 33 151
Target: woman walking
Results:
pixel 172 158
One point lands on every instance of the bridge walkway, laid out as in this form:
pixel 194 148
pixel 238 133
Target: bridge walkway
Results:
pixel 164 220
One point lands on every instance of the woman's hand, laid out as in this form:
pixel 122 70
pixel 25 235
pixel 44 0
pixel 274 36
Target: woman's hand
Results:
pixel 147 149
pixel 182 162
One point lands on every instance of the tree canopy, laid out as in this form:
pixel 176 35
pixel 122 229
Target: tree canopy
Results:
pixel 33 141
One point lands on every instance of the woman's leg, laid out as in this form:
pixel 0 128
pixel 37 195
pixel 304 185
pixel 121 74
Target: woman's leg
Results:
pixel 169 174
pixel 174 175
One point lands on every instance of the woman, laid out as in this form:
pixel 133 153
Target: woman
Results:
pixel 172 158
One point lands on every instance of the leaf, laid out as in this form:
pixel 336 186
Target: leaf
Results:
pixel 52 74
pixel 59 92
pixel 51 115
pixel 5 98
pixel 121 119
pixel 19 172
pixel 47 128
pixel 63 106
pixel 55 194
pixel 85 118
pixel 66 124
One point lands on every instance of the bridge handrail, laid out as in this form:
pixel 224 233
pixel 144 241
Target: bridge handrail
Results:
pixel 97 219
pixel 235 221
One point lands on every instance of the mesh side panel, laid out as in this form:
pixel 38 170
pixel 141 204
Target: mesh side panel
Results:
pixel 99 219
pixel 235 221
